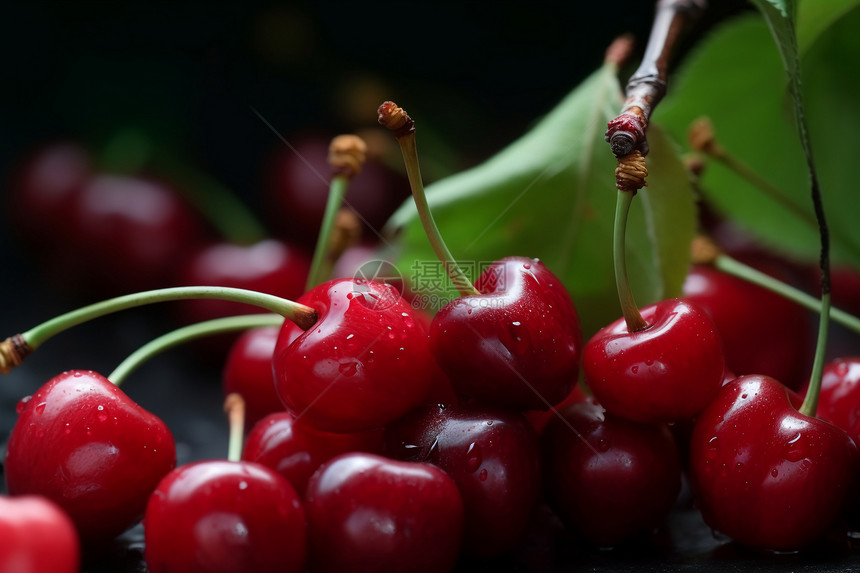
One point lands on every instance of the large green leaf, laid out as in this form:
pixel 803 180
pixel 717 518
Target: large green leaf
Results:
pixel 551 195
pixel 736 78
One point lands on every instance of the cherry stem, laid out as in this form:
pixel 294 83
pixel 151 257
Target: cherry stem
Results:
pixel 629 309
pixel 186 334
pixel 810 401
pixel 736 268
pixel 396 119
pixel 303 316
pixel 234 407
pixel 319 269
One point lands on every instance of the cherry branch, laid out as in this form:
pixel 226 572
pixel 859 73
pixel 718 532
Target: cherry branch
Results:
pixel 647 86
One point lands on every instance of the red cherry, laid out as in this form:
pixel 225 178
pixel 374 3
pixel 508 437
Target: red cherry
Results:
pixel 365 362
pixel 132 232
pixel 839 399
pixel 665 373
pixel 45 188
pixel 85 445
pixel 368 513
pixel 492 456
pixel 540 418
pixel 269 266
pixel 295 450
pixel 764 474
pixel 36 535
pixel 224 516
pixel 248 372
pixel 608 478
pixel 762 332
pixel 517 344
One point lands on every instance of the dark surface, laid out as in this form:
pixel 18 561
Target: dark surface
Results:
pixel 191 74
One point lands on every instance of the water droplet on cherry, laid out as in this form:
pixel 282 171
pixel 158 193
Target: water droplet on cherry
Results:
pixel 713 449
pixel 774 472
pixel 483 475
pixel 348 367
pixel 22 403
pixel 602 445
pixel 473 457
pixel 794 450
pixel 40 408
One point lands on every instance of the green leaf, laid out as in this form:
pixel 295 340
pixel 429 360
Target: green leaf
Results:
pixel 551 195
pixel 736 78
pixel 814 18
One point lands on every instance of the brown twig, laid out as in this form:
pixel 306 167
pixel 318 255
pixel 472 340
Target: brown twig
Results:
pixel 647 86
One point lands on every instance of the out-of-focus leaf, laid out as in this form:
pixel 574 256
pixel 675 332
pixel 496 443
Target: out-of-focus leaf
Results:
pixel 551 195
pixel 814 18
pixel 736 79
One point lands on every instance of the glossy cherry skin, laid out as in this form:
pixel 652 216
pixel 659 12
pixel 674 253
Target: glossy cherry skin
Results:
pixel 229 517
pixel 665 373
pixel 365 362
pixel 492 455
pixel 132 232
pixel 295 450
pixel 269 266
pixel 85 445
pixel 36 535
pixel 764 474
pixel 608 478
pixel 540 418
pixel 248 372
pixel 369 513
pixel 762 332
pixel 839 399
pixel 517 344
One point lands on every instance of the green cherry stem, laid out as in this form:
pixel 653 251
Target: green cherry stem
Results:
pixel 809 407
pixel 337 191
pixel 403 128
pixel 234 407
pixel 629 309
pixel 15 348
pixel 186 334
pixel 347 154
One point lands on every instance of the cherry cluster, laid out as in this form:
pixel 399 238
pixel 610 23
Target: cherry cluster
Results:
pixel 379 437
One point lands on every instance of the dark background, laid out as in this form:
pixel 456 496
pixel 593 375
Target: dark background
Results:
pixel 189 76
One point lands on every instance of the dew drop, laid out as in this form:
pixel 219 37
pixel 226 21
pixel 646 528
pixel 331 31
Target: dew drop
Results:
pixel 774 472
pixel 22 403
pixel 713 449
pixel 78 374
pixel 527 266
pixel 794 451
pixel 468 311
pixel 473 457
pixel 743 396
pixel 349 336
pixel 602 445
pixel 40 407
pixel 243 485
pixel 348 368
pixel 483 475
pixel 100 407
pixel 634 369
